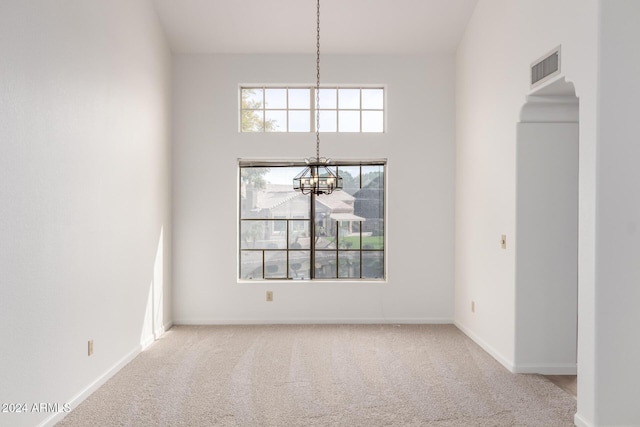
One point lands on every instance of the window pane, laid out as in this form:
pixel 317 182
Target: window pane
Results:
pixel 252 121
pixel 299 99
pixel 299 234
pixel 281 177
pixel 328 121
pixel 252 98
pixel 326 265
pixel 369 204
pixel 275 228
pixel 300 121
pixel 279 226
pixel 350 178
pixel 281 109
pixel 328 98
pixel 275 121
pixel 299 264
pixel 268 192
pixel 349 264
pixel 275 98
pixel 372 121
pixel 250 193
pixel 349 98
pixel 372 99
pixel 373 176
pixel 325 240
pixel 349 121
pixel 326 227
pixel 349 234
pixel 251 265
pixel 372 265
pixel 261 235
pixel 275 264
pixel 373 239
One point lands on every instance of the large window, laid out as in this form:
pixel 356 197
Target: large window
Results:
pixel 293 109
pixel 287 235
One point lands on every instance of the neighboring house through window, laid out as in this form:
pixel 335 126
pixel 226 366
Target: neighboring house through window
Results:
pixel 275 224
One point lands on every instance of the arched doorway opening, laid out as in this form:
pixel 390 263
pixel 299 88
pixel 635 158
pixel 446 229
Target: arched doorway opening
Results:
pixel 547 232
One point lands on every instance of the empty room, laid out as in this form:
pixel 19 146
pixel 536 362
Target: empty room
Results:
pixel 319 213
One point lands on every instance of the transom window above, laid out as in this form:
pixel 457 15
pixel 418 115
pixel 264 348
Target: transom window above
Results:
pixel 293 109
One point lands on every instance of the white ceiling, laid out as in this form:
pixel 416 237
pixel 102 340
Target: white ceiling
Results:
pixel 289 26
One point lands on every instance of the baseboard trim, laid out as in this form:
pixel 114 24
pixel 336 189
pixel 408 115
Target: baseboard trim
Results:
pixel 486 347
pixel 147 342
pixel 98 382
pixel 160 331
pixel 307 321
pixel 80 397
pixel 547 369
pixel 581 422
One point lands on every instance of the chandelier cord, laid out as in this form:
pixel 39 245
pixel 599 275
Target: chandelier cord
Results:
pixel 318 177
pixel 318 81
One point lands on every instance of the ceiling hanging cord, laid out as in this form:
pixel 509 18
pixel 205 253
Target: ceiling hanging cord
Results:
pixel 317 178
pixel 318 81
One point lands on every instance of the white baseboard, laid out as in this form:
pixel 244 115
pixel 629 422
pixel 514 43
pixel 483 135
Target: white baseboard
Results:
pixel 147 342
pixel 80 397
pixel 160 331
pixel 581 422
pixel 308 321
pixel 542 369
pixel 486 347
pixel 547 369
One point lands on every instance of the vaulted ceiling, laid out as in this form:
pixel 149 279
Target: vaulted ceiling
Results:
pixel 289 26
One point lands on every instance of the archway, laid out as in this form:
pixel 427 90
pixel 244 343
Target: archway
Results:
pixel 547 232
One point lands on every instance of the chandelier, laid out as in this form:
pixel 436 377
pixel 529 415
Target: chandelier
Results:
pixel 317 178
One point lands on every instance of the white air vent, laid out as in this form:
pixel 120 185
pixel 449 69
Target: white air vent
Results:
pixel 546 67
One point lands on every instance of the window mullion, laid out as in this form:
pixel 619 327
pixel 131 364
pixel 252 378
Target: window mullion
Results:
pixel 337 250
pixel 360 110
pixel 337 110
pixel 361 249
pixel 287 107
pixel 264 109
pixel 312 109
pixel 361 242
pixel 312 240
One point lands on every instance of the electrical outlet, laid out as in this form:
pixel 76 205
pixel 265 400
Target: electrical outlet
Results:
pixel 473 306
pixel 269 296
pixel 90 348
pixel 503 241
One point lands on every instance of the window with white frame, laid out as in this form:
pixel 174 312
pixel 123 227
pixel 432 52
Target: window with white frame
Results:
pixel 286 235
pixel 293 109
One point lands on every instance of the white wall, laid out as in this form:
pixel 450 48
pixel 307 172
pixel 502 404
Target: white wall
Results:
pixel 84 201
pixel 618 217
pixel 598 44
pixel 493 59
pixel 419 146
pixel 546 243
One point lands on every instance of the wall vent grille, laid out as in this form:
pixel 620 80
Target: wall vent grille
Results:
pixel 545 68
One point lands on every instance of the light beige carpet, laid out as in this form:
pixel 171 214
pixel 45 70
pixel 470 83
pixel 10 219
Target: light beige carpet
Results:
pixel 321 375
